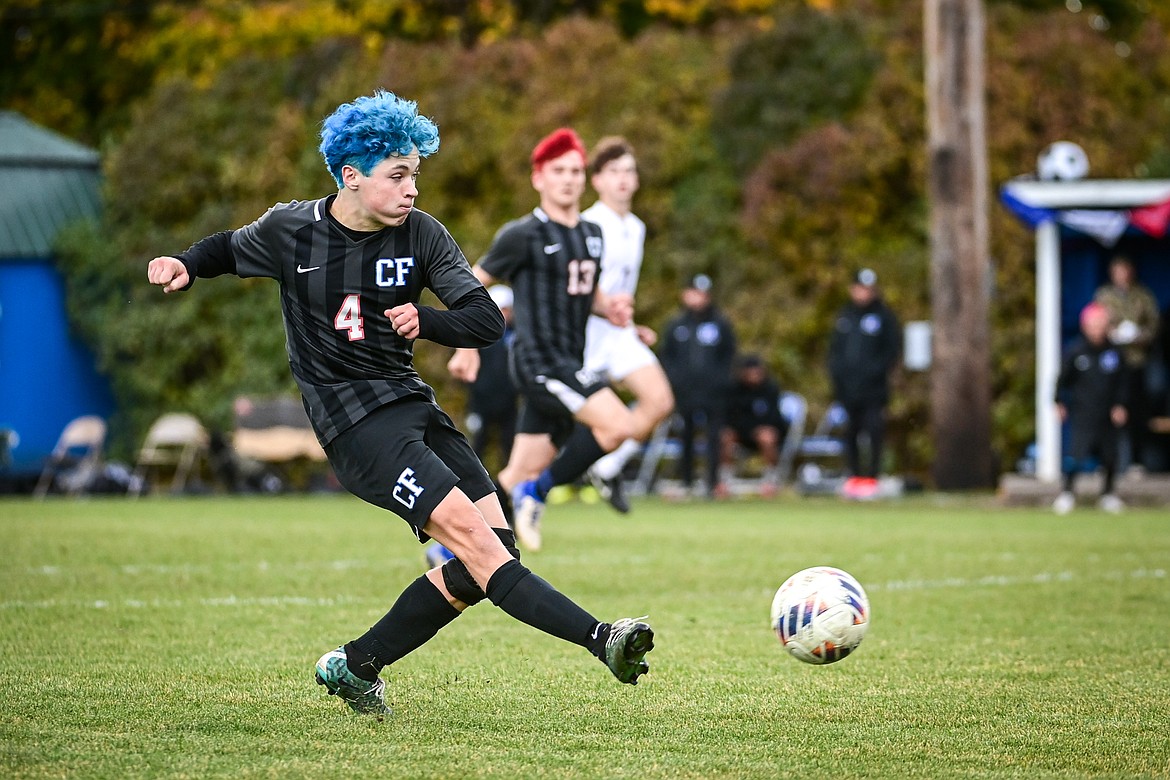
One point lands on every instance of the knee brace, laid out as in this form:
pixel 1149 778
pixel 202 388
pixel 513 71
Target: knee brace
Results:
pixel 461 584
pixel 508 539
pixel 458 579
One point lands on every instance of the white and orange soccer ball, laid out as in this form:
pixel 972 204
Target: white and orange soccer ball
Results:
pixel 820 614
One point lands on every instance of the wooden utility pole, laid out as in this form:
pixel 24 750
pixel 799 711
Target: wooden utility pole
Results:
pixel 960 394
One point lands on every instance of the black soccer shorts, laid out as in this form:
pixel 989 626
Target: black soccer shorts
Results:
pixel 550 400
pixel 406 456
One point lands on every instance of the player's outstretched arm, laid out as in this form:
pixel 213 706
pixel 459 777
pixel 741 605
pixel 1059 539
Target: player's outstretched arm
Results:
pixel 206 258
pixel 168 272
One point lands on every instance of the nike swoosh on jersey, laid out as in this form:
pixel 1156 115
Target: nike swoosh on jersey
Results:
pixel 548 250
pixel 302 270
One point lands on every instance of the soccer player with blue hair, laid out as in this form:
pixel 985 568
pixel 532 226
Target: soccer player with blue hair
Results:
pixel 352 267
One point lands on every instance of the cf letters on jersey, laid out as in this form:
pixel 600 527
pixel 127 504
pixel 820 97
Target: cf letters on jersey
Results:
pixel 391 271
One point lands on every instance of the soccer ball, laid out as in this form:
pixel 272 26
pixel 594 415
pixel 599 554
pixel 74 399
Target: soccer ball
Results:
pixel 820 614
pixel 1062 161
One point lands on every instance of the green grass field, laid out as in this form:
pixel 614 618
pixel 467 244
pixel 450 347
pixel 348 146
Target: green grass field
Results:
pixel 176 638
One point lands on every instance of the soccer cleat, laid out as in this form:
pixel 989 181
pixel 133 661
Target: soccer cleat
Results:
pixel 611 491
pixel 1064 503
pixel 625 649
pixel 527 509
pixel 1111 503
pixel 362 696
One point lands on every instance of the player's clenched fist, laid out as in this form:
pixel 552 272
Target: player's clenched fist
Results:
pixel 404 318
pixel 168 272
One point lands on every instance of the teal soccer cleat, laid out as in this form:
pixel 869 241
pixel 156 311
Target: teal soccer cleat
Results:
pixel 362 696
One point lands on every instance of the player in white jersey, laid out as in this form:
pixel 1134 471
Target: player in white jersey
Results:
pixel 622 354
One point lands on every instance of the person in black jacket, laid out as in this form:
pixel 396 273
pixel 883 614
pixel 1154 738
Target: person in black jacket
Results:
pixel 863 351
pixel 697 353
pixel 754 420
pixel 1091 396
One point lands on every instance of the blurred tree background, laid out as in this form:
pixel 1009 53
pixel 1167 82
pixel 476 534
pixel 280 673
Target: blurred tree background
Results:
pixel 781 145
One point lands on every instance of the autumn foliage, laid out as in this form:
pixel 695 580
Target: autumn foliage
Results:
pixel 780 146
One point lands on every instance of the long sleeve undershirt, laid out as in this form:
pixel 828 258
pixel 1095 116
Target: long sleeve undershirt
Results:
pixel 472 321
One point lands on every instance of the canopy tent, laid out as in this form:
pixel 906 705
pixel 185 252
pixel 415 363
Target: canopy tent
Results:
pixel 1080 226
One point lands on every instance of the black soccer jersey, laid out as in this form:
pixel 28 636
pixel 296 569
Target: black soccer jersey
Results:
pixel 553 270
pixel 334 290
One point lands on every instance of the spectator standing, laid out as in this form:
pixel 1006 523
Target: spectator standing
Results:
pixel 863 351
pixel 754 421
pixel 697 355
pixel 1133 326
pixel 1091 395
pixel 622 354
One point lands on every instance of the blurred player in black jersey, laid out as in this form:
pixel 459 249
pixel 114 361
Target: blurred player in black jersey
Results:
pixel 570 416
pixel 351 268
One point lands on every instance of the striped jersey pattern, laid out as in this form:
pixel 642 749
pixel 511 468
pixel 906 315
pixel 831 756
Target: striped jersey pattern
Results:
pixel 334 290
pixel 553 270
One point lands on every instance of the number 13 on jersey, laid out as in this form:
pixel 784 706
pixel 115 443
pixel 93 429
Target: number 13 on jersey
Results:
pixel 581 276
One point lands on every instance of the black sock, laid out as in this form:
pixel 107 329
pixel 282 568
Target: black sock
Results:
pixel 418 614
pixel 598 636
pixel 360 664
pixel 579 453
pixel 529 599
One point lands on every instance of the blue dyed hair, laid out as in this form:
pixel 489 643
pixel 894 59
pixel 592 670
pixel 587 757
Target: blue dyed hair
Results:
pixel 370 129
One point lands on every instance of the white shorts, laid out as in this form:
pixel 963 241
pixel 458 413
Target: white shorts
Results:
pixel 613 351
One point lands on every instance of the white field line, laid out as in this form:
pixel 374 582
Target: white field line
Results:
pixel 1008 581
pixel 224 601
pixel 991 581
pixel 188 568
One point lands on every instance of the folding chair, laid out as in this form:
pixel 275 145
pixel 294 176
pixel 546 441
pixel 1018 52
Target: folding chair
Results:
pixel 794 409
pixel 826 439
pixel 825 444
pixel 175 440
pixel 663 445
pixel 79 450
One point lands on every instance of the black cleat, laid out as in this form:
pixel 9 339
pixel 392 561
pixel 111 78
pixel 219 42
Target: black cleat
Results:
pixel 612 491
pixel 625 649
